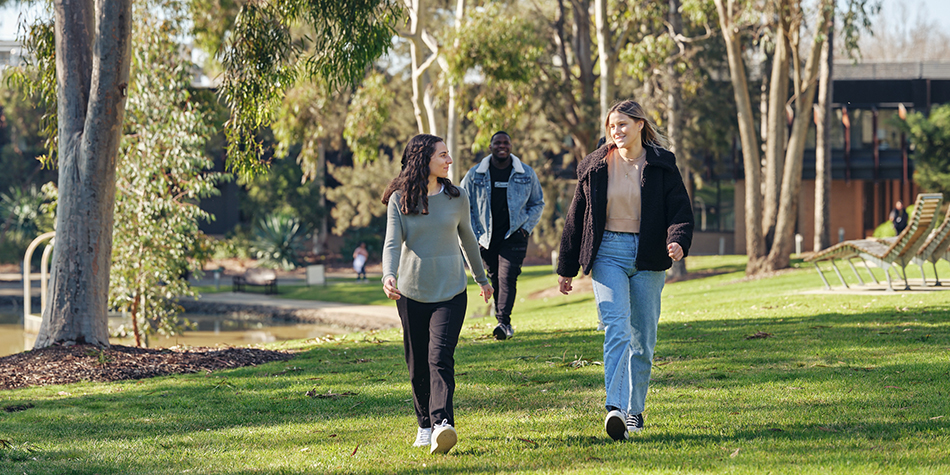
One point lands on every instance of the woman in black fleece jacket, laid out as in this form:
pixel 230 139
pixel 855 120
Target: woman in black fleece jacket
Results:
pixel 628 267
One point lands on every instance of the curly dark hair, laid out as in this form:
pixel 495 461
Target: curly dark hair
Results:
pixel 413 180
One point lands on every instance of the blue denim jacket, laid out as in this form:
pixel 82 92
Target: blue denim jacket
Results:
pixel 525 199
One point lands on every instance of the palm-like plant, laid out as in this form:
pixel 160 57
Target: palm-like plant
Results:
pixel 278 241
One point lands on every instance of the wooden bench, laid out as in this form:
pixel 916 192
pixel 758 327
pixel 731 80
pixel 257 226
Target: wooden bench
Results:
pixel 256 277
pixel 936 247
pixel 885 253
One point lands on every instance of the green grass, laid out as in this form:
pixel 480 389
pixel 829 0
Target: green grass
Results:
pixel 336 290
pixel 844 384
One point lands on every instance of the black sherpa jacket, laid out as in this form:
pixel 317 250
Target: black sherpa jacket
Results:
pixel 666 214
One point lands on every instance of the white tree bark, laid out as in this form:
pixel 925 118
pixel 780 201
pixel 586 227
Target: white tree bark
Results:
pixel 93 47
pixel 422 59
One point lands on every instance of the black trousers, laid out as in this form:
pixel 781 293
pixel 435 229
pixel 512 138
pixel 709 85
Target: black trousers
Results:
pixel 503 261
pixel 430 333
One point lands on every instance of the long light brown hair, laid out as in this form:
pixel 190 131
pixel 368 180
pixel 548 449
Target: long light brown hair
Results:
pixel 413 181
pixel 649 136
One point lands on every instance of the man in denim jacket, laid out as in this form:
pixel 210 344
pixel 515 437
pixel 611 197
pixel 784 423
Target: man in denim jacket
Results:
pixel 506 201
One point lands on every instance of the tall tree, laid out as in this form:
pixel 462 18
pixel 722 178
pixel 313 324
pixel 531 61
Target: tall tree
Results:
pixel 93 44
pixel 823 145
pixel 729 15
pixel 805 86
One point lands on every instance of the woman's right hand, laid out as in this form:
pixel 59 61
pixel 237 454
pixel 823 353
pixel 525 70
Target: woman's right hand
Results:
pixel 564 284
pixel 389 287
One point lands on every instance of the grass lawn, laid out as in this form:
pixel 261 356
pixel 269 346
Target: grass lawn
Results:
pixel 337 290
pixel 842 384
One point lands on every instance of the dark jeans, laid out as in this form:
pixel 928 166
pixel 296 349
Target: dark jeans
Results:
pixel 503 261
pixel 430 332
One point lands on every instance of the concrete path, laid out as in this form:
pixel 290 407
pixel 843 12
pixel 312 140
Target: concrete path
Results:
pixel 347 316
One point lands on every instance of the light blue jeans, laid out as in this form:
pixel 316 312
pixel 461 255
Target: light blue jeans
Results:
pixel 629 304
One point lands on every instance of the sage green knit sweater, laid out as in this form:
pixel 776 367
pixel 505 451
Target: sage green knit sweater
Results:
pixel 426 249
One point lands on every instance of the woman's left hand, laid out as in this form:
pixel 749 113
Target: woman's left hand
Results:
pixel 486 292
pixel 675 251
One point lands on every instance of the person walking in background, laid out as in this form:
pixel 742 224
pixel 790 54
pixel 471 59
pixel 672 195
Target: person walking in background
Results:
pixel 506 203
pixel 360 255
pixel 424 272
pixel 898 217
pixel 629 220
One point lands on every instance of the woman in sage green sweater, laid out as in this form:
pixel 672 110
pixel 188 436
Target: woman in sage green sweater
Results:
pixel 424 273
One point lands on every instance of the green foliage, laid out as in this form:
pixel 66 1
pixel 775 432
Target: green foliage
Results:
pixel 367 114
pixel 27 212
pixel 930 138
pixel 22 135
pixel 38 78
pixel 309 117
pixel 162 172
pixel 506 48
pixel 283 190
pixel 358 200
pixel 262 59
pixel 278 241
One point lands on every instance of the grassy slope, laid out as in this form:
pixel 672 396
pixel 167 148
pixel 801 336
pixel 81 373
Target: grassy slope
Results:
pixel 845 384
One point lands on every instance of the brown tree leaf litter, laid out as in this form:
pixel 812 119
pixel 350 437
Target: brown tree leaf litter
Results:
pixel 64 365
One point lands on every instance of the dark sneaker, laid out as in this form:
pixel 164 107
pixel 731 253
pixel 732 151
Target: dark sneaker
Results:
pixel 444 438
pixel 634 423
pixel 615 426
pixel 503 331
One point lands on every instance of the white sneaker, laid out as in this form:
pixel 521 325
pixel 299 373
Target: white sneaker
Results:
pixel 444 438
pixel 615 425
pixel 423 436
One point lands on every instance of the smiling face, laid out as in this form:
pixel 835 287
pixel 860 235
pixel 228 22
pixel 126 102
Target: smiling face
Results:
pixel 440 161
pixel 624 130
pixel 500 147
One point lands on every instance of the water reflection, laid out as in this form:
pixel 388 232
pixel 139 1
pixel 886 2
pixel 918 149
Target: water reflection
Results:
pixel 210 330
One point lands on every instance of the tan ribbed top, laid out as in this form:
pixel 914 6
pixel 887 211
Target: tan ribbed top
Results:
pixel 623 192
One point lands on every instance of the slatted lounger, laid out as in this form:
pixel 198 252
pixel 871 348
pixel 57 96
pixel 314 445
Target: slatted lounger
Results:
pixel 935 248
pixel 885 253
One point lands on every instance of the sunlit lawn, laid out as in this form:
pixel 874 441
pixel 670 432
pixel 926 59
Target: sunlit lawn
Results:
pixel 835 384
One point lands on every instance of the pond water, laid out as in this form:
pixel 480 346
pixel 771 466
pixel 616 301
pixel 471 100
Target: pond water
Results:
pixel 210 330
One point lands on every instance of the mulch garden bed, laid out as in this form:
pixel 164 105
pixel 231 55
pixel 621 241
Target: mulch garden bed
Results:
pixel 64 365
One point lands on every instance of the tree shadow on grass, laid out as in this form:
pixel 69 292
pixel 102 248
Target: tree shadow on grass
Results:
pixel 814 380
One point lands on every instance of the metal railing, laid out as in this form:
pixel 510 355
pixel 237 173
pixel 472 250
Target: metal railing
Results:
pixel 32 322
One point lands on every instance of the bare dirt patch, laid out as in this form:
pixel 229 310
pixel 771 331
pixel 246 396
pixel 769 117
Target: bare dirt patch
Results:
pixel 64 365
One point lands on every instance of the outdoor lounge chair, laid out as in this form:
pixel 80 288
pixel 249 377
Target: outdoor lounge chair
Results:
pixel 935 248
pixel 885 253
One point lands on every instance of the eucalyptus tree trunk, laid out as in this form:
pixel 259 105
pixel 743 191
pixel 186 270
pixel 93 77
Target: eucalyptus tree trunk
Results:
pixel 452 127
pixel 777 125
pixel 422 58
pixel 674 121
pixel 585 135
pixel 755 245
pixel 93 45
pixel 805 88
pixel 823 145
pixel 607 58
